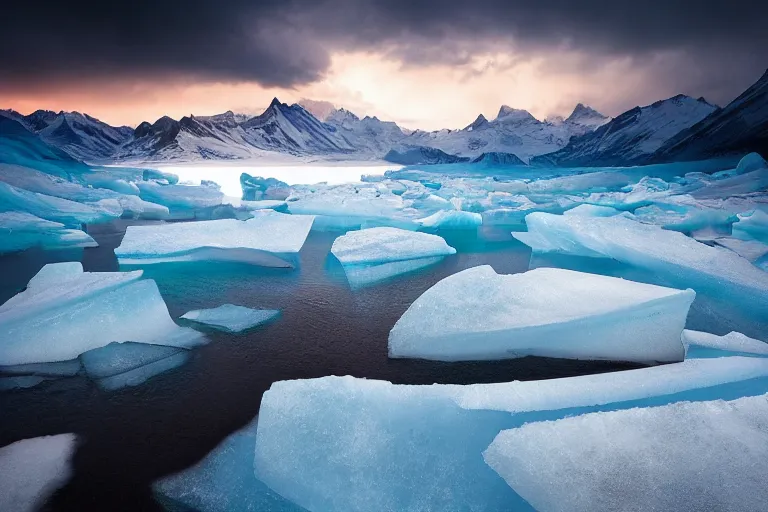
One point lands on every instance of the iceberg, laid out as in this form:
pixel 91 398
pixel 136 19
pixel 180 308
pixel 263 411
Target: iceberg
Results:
pixel 256 188
pixel 231 318
pixel 385 244
pixel 683 457
pixel 341 443
pixel 478 314
pixel 752 226
pixel 53 318
pixel 672 254
pixel 350 206
pixel 258 240
pixel 223 481
pixel 182 198
pixel 31 470
pixel 685 217
pixel 20 230
pixel 69 213
pixel 703 344
pixel 122 364
pixel 452 219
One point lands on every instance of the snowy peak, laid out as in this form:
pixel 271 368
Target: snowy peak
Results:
pixel 739 128
pixel 478 123
pixel 632 136
pixel 507 113
pixel 586 116
pixel 340 116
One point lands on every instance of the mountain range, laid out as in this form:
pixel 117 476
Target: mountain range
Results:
pixel 678 128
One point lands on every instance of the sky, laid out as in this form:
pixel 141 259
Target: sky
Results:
pixel 428 64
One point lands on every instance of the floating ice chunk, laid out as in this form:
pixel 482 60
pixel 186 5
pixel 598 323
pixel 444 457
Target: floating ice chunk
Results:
pixel 256 188
pixel 118 365
pixel 223 481
pixel 20 230
pixel 752 226
pixel 592 210
pixel 134 206
pixel 180 197
pixel 51 208
pixel 382 245
pixel 255 240
pixel 754 181
pixel 680 217
pixel 683 457
pixel 340 443
pixel 344 207
pixel 703 344
pixel 33 469
pixel 53 319
pixel 644 245
pixel 751 162
pixel 452 219
pixel 592 181
pixel 232 318
pixel 479 314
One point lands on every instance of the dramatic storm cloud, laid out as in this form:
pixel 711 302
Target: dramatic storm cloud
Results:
pixel 704 48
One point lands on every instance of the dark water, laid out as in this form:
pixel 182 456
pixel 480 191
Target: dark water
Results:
pixel 133 436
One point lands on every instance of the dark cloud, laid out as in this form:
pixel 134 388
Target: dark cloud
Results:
pixel 287 43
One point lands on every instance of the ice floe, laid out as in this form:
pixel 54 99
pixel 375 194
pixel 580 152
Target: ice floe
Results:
pixel 479 314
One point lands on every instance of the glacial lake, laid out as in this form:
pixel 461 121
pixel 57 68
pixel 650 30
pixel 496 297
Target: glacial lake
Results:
pixel 133 436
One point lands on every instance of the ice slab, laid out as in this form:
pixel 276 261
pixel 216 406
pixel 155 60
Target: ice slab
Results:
pixel 255 240
pixel 33 469
pixel 452 219
pixel 751 162
pixel 223 481
pixel 685 217
pixel 256 188
pixel 350 206
pixel 752 226
pixel 648 246
pixel 703 344
pixel 20 230
pixel 180 197
pixel 340 443
pixel 69 213
pixel 119 365
pixel 231 318
pixel 385 244
pixel 53 319
pixel 479 314
pixel 682 457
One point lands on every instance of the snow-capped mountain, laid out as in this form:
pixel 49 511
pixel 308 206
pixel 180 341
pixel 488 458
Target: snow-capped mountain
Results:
pixel 281 128
pixel 80 135
pixel 513 131
pixel 632 136
pixel 587 117
pixel 740 127
pixel 369 134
